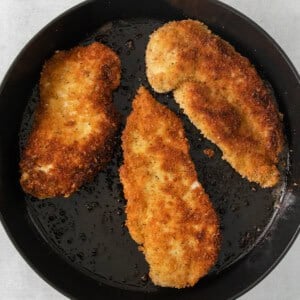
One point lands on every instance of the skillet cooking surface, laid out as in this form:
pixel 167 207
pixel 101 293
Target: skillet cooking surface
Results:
pixel 80 244
pixel 88 228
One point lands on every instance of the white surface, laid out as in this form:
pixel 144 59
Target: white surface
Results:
pixel 21 19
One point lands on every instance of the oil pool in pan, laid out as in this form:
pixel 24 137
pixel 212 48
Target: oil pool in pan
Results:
pixel 88 228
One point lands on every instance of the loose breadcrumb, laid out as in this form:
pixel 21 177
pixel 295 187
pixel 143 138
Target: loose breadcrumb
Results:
pixel 209 152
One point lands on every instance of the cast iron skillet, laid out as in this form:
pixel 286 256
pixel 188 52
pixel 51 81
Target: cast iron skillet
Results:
pixel 80 245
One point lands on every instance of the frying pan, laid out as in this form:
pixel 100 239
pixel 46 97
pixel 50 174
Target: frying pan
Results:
pixel 80 245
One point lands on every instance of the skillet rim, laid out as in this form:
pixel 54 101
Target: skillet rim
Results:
pixel 70 11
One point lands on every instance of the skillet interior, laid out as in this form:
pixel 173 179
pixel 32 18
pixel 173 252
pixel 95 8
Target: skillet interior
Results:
pixel 86 232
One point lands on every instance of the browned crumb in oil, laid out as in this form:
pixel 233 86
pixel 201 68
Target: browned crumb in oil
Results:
pixel 209 152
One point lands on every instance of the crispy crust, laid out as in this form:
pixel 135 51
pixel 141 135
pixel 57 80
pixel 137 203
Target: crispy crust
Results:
pixel 75 122
pixel 168 211
pixel 221 93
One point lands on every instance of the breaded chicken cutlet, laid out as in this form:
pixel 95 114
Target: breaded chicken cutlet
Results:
pixel 221 93
pixel 168 212
pixel 75 121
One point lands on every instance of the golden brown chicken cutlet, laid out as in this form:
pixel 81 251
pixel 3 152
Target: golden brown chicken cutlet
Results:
pixel 168 212
pixel 221 93
pixel 75 121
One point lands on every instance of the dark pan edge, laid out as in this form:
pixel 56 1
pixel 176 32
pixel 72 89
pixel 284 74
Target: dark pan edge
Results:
pixel 297 76
pixel 3 83
pixel 296 210
pixel 262 31
pixel 272 267
pixel 35 37
pixel 29 262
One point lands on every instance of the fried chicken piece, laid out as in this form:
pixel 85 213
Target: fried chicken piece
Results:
pixel 75 121
pixel 168 211
pixel 221 93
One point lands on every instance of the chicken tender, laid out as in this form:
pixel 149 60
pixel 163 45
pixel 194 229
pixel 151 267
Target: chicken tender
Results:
pixel 221 93
pixel 75 121
pixel 168 212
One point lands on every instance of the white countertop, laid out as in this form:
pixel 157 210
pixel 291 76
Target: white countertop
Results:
pixel 20 20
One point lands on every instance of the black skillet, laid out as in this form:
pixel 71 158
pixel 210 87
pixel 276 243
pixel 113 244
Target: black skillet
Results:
pixel 80 245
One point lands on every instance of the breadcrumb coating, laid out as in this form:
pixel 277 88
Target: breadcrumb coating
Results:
pixel 221 93
pixel 75 121
pixel 168 212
